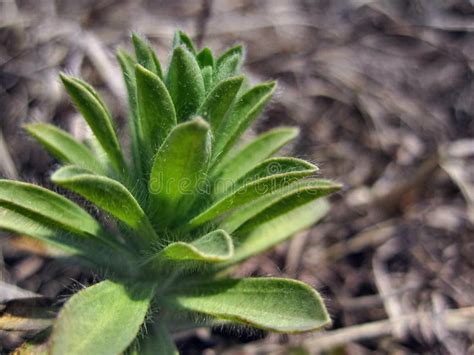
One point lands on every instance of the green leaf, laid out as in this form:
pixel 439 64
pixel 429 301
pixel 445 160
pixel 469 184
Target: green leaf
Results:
pixel 18 224
pixel 45 206
pixel 178 170
pixel 185 83
pixel 234 166
pixel 146 57
pixel 211 248
pixel 229 67
pixel 290 202
pixel 205 58
pixel 278 203
pixel 101 319
pixel 250 192
pixel 279 229
pixel 273 304
pixel 219 100
pixel 164 343
pixel 127 64
pixel 91 251
pixel 108 194
pixel 98 118
pixel 207 73
pixel 231 52
pixel 93 93
pixel 245 110
pixel 158 341
pixel 54 211
pixel 270 167
pixel 182 39
pixel 64 147
pixel 157 114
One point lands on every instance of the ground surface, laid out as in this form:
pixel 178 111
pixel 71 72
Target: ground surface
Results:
pixel 384 95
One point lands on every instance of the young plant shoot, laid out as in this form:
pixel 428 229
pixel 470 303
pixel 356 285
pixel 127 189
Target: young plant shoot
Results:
pixel 178 211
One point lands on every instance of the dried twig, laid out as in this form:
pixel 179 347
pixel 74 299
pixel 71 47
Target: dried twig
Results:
pixel 7 166
pixel 455 320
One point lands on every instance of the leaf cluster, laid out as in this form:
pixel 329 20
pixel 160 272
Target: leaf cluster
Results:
pixel 184 205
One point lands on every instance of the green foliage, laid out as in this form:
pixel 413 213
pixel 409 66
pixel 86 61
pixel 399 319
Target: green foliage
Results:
pixel 241 162
pixel 156 110
pixel 64 147
pixel 98 118
pixel 146 56
pixel 108 194
pixel 256 187
pixel 278 229
pixel 45 206
pixel 219 101
pixel 243 113
pixel 188 204
pixel 213 247
pixel 185 83
pixel 179 166
pixel 298 309
pixel 101 319
pixel 205 58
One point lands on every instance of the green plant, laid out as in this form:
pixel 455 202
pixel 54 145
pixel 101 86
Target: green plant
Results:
pixel 187 206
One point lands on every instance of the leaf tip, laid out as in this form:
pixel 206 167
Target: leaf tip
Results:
pixel 137 39
pixel 200 123
pixel 140 69
pixel 65 78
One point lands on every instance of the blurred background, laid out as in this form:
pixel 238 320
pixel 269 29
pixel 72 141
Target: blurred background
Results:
pixel 384 96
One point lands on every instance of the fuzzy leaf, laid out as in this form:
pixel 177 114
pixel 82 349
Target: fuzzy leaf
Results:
pixel 97 117
pixel 146 57
pixel 229 67
pixel 290 202
pixel 157 114
pixel 233 51
pixel 163 342
pixel 273 304
pixel 64 244
pixel 178 169
pixel 48 241
pixel 64 147
pixel 211 248
pixel 94 93
pixel 219 100
pixel 245 110
pixel 185 83
pixel 158 341
pixel 234 166
pixel 207 73
pixel 45 206
pixel 273 166
pixel 182 39
pixel 101 319
pixel 205 58
pixel 278 229
pixel 21 225
pixel 278 203
pixel 108 194
pixel 250 192
pixel 127 64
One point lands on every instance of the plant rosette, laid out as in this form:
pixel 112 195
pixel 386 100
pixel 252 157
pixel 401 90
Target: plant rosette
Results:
pixel 186 204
